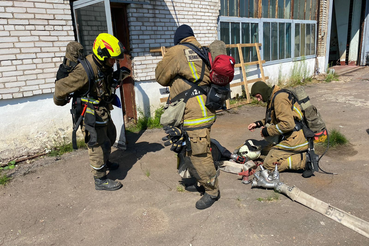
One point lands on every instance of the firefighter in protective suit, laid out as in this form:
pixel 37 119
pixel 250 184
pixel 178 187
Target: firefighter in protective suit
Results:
pixel 281 126
pixel 97 126
pixel 180 63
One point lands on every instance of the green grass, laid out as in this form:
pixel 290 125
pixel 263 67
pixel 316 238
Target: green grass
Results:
pixel 299 74
pixel 331 77
pixel 180 188
pixel 144 123
pixel 335 139
pixel 271 198
pixel 147 173
pixel 65 148
pixel 4 179
pixel 255 101
pixel 11 165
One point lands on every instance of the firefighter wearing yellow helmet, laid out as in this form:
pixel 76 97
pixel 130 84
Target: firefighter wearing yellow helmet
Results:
pixel 92 85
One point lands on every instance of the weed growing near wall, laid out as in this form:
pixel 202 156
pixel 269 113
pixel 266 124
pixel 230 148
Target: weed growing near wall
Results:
pixel 299 75
pixel 144 122
pixel 331 76
pixel 4 179
pixel 66 147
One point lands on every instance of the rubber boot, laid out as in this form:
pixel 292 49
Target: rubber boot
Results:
pixel 112 165
pixel 206 201
pixel 107 184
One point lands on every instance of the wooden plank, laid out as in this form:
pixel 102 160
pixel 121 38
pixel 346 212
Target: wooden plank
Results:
pixel 248 82
pixel 257 79
pixel 163 99
pixel 242 45
pixel 249 63
pixel 260 9
pixel 236 84
pixel 243 69
pixel 163 50
pixel 158 49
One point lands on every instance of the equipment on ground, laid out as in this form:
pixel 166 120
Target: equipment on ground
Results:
pixel 250 150
pixel 266 179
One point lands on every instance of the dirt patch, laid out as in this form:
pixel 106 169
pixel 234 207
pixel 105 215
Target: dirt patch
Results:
pixel 341 151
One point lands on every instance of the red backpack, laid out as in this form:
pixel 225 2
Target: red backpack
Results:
pixel 222 69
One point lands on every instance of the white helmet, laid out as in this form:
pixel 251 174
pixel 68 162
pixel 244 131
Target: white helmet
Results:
pixel 249 150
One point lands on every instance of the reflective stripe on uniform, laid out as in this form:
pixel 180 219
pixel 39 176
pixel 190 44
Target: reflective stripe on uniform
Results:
pixel 278 129
pixel 198 121
pixel 193 70
pixel 292 147
pixel 86 100
pixel 98 168
pixel 102 122
pixel 200 99
pixel 297 111
pixel 90 111
pixel 289 162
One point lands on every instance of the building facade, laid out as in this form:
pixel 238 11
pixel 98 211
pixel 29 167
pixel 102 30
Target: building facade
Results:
pixel 34 34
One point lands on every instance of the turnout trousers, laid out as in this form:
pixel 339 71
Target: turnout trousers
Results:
pixel 99 154
pixel 202 160
pixel 288 160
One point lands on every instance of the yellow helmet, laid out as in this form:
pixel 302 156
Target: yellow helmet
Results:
pixel 107 46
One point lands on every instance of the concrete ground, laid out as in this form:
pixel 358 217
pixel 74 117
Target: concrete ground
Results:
pixel 53 201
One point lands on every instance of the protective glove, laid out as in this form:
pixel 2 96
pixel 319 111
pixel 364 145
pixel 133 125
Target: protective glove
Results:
pixel 169 141
pixel 177 145
pixel 172 131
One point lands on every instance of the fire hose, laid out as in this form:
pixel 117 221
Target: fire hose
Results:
pixel 266 179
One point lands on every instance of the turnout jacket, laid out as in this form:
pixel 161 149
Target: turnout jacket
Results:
pixel 77 82
pixel 283 117
pixel 182 62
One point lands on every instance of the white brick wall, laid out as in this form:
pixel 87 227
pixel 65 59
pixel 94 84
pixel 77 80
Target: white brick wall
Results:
pixel 33 36
pixel 153 25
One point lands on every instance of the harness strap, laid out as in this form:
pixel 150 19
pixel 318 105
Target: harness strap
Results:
pixel 202 53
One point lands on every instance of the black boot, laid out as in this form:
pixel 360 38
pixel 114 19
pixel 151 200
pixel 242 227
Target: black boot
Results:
pixel 195 188
pixel 112 166
pixel 107 184
pixel 206 201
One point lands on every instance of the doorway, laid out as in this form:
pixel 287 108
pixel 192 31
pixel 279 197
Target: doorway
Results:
pixel 92 17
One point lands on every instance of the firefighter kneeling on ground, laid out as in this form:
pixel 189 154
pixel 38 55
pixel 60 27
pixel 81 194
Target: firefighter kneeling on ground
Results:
pixel 181 63
pixel 92 88
pixel 279 128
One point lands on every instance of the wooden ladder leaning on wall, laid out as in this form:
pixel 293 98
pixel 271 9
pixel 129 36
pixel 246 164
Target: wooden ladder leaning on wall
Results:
pixel 242 65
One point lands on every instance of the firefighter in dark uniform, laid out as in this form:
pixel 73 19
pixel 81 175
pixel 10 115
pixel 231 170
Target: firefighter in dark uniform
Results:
pixel 180 62
pixel 97 127
pixel 289 144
